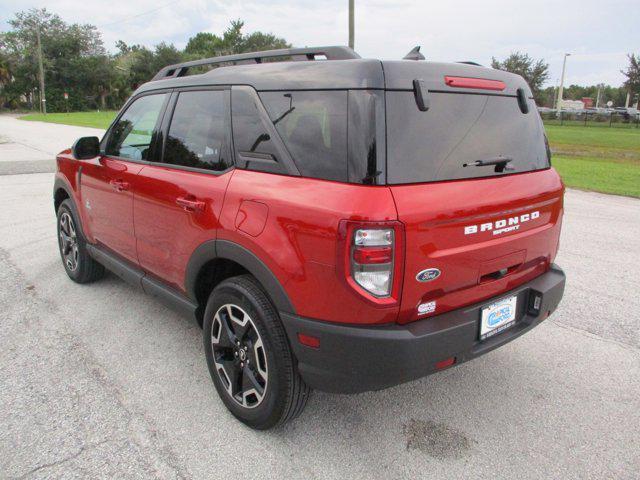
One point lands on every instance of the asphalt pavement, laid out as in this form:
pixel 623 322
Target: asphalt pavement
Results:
pixel 102 381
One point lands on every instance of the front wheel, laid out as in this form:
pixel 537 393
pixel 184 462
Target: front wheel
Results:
pixel 77 262
pixel 249 357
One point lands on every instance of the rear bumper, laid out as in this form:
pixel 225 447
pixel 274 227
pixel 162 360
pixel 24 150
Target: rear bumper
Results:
pixel 355 359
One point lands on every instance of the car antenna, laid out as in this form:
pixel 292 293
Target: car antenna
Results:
pixel 414 54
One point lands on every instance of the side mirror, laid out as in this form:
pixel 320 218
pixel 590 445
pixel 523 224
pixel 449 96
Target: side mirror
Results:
pixel 86 147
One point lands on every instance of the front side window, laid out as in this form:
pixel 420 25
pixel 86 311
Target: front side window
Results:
pixel 199 131
pixel 132 135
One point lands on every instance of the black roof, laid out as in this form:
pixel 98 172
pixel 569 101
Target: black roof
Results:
pixel 340 68
pixel 295 75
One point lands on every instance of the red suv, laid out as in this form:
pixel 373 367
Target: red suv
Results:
pixel 335 223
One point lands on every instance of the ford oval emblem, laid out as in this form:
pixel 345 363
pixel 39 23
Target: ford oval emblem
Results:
pixel 428 275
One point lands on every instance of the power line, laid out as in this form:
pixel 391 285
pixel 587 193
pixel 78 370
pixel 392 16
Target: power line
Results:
pixel 132 17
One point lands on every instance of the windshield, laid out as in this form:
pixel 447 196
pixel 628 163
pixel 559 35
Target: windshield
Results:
pixel 461 136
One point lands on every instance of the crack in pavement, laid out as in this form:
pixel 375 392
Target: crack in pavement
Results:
pixel 139 429
pixel 66 459
pixel 586 333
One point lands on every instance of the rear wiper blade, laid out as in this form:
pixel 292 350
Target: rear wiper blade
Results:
pixel 500 163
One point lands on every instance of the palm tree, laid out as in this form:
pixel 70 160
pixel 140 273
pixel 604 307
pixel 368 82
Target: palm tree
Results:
pixel 5 74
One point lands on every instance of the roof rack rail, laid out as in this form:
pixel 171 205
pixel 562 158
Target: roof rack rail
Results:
pixel 330 53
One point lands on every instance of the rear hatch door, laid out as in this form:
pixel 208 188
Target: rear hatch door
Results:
pixel 478 230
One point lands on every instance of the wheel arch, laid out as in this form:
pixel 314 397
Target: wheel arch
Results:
pixel 235 259
pixel 61 191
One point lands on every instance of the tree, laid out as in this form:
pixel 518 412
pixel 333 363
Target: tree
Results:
pixel 74 60
pixel 632 84
pixel 5 78
pixel 534 72
pixel 137 64
pixel 206 44
pixel 5 71
pixel 203 44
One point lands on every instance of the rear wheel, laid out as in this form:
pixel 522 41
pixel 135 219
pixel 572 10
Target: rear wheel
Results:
pixel 249 357
pixel 78 264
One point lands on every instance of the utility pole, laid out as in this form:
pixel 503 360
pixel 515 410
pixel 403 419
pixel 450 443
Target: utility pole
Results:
pixel 351 24
pixel 598 95
pixel 626 103
pixel 43 98
pixel 564 65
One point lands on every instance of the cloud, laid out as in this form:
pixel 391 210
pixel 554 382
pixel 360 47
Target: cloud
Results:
pixel 598 34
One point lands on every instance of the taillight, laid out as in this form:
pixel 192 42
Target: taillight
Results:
pixel 374 256
pixel 372 260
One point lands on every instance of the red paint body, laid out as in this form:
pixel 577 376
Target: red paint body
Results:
pixel 296 227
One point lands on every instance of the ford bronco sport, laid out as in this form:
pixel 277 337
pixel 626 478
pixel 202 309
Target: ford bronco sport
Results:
pixel 332 222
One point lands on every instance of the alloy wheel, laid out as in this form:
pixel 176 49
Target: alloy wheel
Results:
pixel 68 241
pixel 239 355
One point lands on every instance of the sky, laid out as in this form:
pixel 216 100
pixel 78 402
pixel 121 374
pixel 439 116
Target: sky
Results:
pixel 598 34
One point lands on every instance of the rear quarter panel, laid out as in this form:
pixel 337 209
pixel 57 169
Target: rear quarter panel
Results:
pixel 296 237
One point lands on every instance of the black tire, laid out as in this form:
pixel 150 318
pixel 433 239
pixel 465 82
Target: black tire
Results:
pixel 284 394
pixel 77 262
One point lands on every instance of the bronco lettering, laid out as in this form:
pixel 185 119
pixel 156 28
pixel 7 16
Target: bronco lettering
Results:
pixel 500 226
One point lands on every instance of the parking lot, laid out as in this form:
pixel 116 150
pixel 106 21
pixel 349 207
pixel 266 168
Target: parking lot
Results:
pixel 102 381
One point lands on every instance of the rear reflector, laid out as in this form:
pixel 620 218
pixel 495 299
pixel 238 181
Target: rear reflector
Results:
pixel 445 363
pixel 478 83
pixel 369 255
pixel 308 340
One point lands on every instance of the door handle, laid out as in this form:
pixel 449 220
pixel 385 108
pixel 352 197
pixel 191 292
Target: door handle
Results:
pixel 119 185
pixel 190 203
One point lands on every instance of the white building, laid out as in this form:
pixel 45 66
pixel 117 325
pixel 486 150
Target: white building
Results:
pixel 571 105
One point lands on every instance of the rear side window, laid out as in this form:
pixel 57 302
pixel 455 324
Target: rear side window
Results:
pixel 313 126
pixel 199 133
pixel 459 129
pixel 132 134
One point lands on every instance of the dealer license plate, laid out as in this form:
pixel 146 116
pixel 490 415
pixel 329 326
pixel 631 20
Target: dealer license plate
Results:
pixel 497 317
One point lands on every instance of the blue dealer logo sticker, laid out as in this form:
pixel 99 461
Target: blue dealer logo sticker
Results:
pixel 428 275
pixel 499 316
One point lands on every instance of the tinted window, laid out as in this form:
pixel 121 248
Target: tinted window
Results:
pixel 366 136
pixel 131 136
pixel 198 135
pixel 255 149
pixel 313 126
pixel 460 129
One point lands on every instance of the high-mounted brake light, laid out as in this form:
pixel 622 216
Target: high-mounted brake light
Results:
pixel 373 258
pixel 477 83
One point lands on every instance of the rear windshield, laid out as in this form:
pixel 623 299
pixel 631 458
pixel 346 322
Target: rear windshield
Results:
pixel 460 129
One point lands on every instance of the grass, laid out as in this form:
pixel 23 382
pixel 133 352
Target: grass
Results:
pixel 594 137
pixel 82 119
pixel 594 158
pixel 601 159
pixel 600 175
